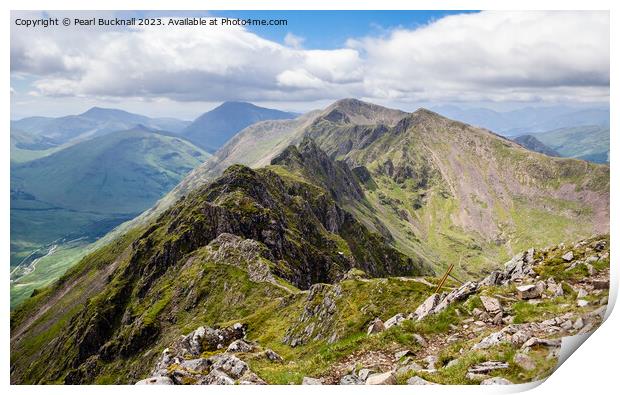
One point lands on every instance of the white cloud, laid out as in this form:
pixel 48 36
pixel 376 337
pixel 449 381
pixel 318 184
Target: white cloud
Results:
pixel 489 56
pixel 293 41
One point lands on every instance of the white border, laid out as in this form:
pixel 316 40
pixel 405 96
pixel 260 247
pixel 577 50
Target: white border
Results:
pixel 592 369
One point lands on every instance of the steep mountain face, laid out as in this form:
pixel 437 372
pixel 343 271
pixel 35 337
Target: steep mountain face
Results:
pixel 213 129
pixel 590 143
pixel 94 122
pixel 533 144
pixel 297 235
pixel 90 187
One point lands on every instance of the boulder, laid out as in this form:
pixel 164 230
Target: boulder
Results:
pixel 229 364
pixel 376 326
pixel 311 381
pixel 496 381
pixel 491 340
pixel 582 293
pixel 411 367
pixel 530 291
pixel 381 379
pixel 272 355
pixel 427 306
pixel 536 341
pixel 251 378
pixel 491 305
pixel 396 320
pixel 158 380
pixel 196 365
pixel 415 380
pixel 217 377
pixel 568 256
pixel 239 346
pixel 524 361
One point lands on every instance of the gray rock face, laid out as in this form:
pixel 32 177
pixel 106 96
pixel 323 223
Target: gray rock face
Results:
pixel 415 380
pixel 159 380
pixel 496 381
pixel 427 306
pixel 376 326
pixel 311 381
pixel 209 339
pixel 381 379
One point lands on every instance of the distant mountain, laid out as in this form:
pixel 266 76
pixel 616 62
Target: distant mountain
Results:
pixel 584 142
pixel 527 120
pixel 213 129
pixel 89 187
pixel 94 122
pixel 532 143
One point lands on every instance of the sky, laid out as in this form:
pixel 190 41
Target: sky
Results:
pixel 402 59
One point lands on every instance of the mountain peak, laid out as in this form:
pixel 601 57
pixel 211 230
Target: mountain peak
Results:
pixel 360 112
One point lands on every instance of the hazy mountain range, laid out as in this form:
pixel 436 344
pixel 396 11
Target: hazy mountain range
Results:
pixel 527 120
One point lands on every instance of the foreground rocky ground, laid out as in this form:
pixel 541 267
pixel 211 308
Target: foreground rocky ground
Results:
pixel 506 328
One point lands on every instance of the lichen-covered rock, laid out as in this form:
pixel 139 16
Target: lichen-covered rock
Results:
pixel 381 379
pixel 415 380
pixel 159 380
